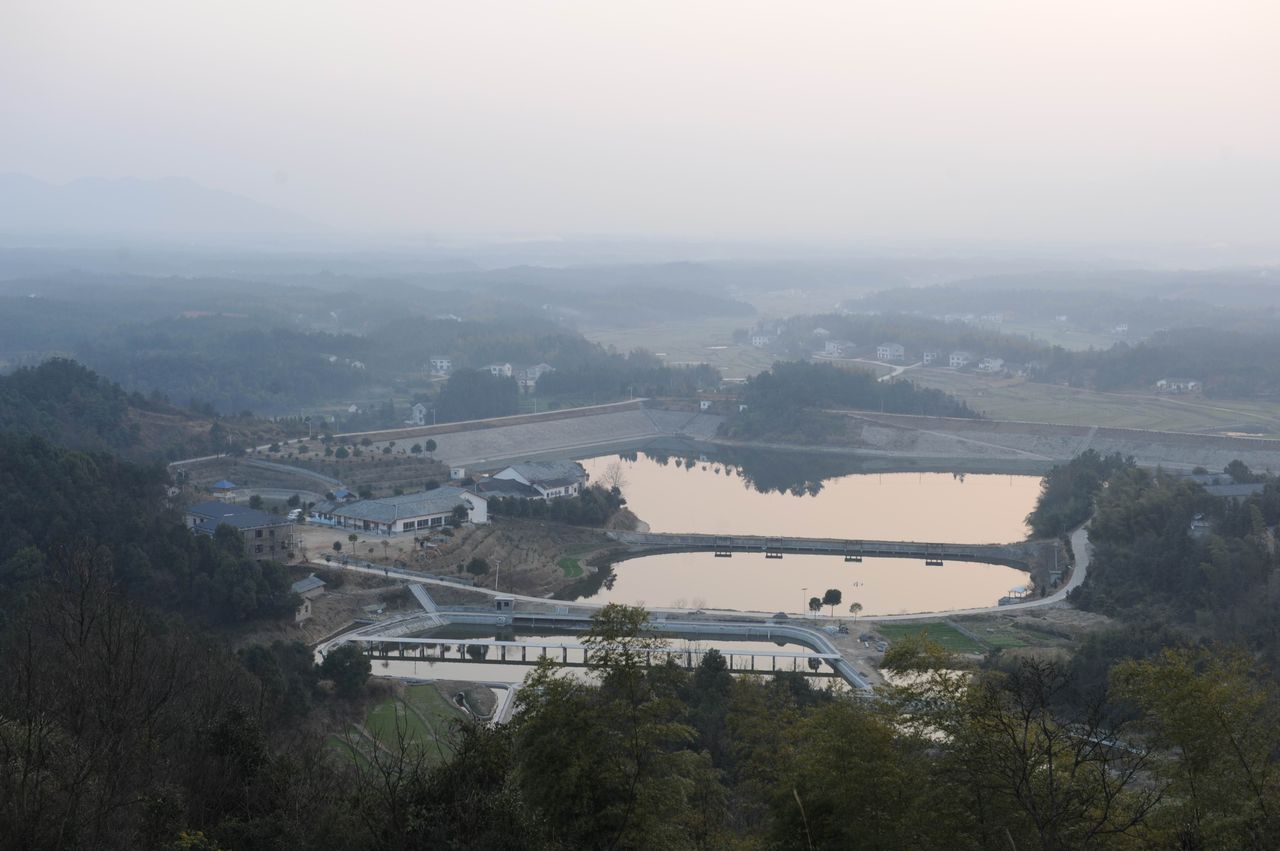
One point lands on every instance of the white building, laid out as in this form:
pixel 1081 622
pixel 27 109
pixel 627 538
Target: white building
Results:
pixel 891 352
pixel 441 365
pixel 990 365
pixel 959 359
pixel 410 512
pixel 418 414
pixel 308 589
pixel 1177 385
pixel 760 340
pixel 500 370
pixel 931 356
pixel 838 348
pixel 550 479
pixel 527 376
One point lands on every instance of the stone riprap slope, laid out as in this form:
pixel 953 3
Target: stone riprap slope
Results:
pixel 943 438
pixel 569 437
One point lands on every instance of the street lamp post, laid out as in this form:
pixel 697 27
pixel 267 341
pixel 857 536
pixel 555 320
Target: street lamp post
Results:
pixel 804 600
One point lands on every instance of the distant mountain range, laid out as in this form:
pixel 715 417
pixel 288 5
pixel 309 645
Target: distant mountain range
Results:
pixel 166 207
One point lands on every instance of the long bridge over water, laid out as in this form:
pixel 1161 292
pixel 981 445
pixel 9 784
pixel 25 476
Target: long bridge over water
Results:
pixel 853 550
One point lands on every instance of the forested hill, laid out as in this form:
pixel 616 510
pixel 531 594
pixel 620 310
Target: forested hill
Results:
pixel 68 404
pixel 788 400
pixel 55 501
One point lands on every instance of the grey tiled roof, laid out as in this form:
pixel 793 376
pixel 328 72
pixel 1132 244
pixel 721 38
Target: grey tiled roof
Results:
pixel 393 508
pixel 211 515
pixel 309 584
pixel 541 472
pixel 505 487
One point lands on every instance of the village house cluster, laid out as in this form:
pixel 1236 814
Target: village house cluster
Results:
pixel 449 504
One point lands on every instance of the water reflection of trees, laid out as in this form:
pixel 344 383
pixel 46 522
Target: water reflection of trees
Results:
pixel 795 473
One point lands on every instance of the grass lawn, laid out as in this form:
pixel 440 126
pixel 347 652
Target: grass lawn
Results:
pixel 387 717
pixel 572 569
pixel 944 634
pixel 426 716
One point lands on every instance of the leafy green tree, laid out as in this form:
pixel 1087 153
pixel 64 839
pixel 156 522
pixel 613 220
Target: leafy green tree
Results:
pixel 255 501
pixel 832 598
pixel 348 668
pixel 815 604
pixel 1214 722
pixel 476 394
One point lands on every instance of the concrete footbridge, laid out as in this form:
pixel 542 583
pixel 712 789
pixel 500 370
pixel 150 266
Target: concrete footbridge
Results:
pixel 854 550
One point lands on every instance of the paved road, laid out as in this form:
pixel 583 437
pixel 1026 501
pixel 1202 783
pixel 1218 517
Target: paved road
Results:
pixel 1083 552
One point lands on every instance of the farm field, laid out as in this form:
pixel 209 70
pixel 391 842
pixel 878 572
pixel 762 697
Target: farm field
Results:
pixel 709 341
pixel 943 634
pixel 1019 399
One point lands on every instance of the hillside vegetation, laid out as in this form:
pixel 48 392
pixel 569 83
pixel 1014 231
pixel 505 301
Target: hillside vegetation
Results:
pixel 790 400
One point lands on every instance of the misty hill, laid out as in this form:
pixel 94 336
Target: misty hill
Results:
pixel 170 206
pixel 67 403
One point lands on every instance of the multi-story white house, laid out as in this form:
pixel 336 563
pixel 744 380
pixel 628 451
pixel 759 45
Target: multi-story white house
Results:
pixel 891 352
pixel 959 359
pixel 527 376
pixel 500 370
pixel 990 365
pixel 441 365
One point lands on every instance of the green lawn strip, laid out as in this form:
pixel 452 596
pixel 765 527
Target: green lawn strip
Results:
pixel 943 634
pixel 389 717
pixel 571 567
pixel 347 750
pixel 1004 642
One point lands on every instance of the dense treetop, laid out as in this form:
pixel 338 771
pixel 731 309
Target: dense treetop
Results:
pixel 789 400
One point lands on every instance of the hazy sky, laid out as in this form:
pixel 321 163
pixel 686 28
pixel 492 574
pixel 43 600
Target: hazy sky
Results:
pixel 853 120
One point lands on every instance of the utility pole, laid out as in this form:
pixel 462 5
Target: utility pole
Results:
pixel 497 575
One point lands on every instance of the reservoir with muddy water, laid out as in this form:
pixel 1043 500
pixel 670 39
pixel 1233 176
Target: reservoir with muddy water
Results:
pixel 784 495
